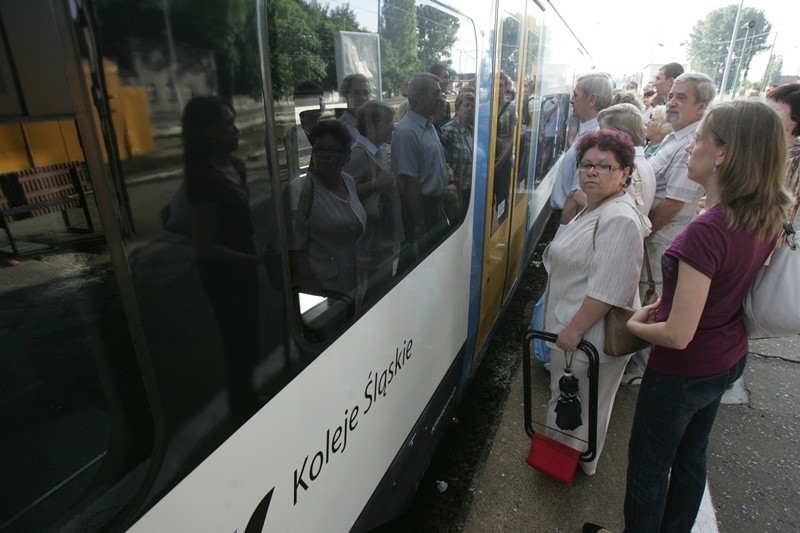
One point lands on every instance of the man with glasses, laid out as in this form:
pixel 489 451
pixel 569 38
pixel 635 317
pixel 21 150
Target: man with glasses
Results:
pixel 355 89
pixel 676 196
pixel 418 162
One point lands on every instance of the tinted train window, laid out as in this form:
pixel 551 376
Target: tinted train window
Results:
pixel 194 187
pixel 74 415
pixel 369 186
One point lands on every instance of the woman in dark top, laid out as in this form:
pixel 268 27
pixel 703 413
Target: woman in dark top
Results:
pixel 223 236
pixel 700 341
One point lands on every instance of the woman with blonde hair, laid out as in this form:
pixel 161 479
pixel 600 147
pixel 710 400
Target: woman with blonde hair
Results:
pixel 630 121
pixel 657 129
pixel 700 341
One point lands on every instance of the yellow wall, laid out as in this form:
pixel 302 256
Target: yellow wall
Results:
pixel 13 151
pixel 37 144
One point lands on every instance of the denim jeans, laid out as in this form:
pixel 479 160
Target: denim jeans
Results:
pixel 667 450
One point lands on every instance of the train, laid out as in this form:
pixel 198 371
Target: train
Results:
pixel 114 397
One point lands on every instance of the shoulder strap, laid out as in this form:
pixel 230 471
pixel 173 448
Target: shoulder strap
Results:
pixel 502 110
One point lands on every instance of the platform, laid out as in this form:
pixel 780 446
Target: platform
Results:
pixel 754 460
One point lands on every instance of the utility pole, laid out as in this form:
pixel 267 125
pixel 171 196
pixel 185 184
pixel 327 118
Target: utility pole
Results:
pixel 749 25
pixel 730 52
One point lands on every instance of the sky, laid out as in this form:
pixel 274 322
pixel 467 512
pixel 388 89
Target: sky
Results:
pixel 623 36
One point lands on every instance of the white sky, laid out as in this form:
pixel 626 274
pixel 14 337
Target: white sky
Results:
pixel 623 35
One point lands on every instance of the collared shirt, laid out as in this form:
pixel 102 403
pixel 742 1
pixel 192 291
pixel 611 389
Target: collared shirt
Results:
pixel 418 154
pixel 459 150
pixel 352 124
pixel 672 180
pixel 567 179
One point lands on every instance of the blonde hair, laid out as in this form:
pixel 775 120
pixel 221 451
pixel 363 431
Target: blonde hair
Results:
pixel 751 177
pixel 660 114
pixel 625 118
pixel 627 97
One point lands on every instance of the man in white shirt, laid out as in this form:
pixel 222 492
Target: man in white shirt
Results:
pixel 592 93
pixel 676 196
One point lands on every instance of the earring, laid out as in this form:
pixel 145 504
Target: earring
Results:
pixel 715 169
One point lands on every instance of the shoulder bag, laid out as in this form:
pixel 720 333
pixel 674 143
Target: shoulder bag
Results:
pixel 619 340
pixel 772 305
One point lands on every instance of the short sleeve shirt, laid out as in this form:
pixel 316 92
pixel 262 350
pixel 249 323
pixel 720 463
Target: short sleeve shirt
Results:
pixel 567 179
pixel 731 259
pixel 417 153
pixel 208 184
pixel 672 181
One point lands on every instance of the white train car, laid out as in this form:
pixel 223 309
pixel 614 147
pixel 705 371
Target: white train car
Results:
pixel 114 392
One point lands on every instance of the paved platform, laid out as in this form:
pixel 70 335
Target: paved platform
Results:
pixel 754 462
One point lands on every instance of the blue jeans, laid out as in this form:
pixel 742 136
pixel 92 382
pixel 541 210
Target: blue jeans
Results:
pixel 667 450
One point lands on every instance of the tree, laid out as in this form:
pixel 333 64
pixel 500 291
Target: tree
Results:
pixel 437 32
pixel 399 41
pixel 293 47
pixel 325 24
pixel 772 74
pixel 710 40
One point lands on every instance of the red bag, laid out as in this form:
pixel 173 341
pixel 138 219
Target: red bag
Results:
pixel 553 459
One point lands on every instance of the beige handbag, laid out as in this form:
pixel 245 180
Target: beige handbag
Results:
pixel 619 340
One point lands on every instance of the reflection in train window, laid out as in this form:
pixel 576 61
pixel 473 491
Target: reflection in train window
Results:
pixel 361 211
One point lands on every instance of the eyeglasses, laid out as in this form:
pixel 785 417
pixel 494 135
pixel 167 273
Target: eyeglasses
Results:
pixel 602 168
pixel 328 150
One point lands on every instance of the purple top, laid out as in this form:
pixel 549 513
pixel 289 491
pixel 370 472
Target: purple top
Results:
pixel 731 259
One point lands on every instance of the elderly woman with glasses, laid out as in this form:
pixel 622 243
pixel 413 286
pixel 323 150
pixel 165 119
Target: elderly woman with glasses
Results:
pixel 326 219
pixel 593 263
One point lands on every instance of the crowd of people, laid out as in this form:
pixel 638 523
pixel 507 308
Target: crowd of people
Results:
pixel 664 176
pixel 381 187
pixel 700 190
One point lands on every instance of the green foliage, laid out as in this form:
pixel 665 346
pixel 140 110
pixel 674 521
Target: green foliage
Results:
pixel 710 40
pixel 509 58
pixel 399 37
pixel 293 47
pixel 324 24
pixel 776 71
pixel 437 35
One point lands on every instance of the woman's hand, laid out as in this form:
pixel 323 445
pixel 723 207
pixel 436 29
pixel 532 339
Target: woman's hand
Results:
pixel 645 315
pixel 568 339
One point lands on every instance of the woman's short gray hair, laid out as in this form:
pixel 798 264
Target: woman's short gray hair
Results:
pixel 625 118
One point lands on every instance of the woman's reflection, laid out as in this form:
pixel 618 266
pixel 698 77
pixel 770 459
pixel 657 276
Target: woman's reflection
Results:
pixel 327 219
pixel 223 235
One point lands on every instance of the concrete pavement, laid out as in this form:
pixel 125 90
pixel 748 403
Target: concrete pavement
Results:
pixel 754 461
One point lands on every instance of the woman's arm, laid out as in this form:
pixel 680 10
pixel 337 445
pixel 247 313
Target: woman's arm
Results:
pixel 678 331
pixel 590 311
pixel 204 226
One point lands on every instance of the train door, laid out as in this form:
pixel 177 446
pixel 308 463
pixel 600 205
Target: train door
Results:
pixel 509 156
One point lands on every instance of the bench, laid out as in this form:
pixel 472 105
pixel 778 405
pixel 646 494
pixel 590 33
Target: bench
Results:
pixel 39 191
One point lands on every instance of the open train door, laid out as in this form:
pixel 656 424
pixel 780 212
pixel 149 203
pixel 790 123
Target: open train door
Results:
pixel 511 120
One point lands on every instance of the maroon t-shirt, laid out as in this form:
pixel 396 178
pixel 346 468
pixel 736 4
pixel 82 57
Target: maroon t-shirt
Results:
pixel 731 259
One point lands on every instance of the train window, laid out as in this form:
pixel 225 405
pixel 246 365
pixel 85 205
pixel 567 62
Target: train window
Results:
pixel 505 121
pixel 368 186
pixel 530 107
pixel 75 418
pixel 184 85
